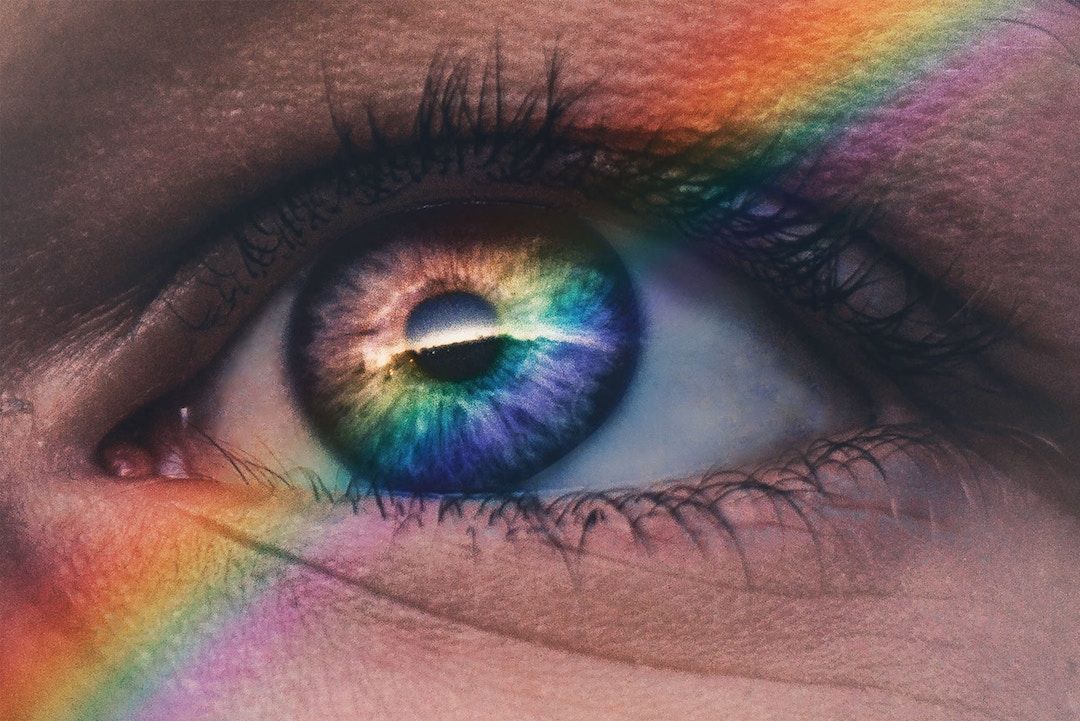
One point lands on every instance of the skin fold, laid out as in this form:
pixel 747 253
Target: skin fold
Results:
pixel 952 592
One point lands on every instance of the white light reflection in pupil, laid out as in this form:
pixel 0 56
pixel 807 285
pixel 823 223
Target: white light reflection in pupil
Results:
pixel 455 335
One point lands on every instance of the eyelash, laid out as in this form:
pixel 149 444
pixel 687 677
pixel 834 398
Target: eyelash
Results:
pixel 701 191
pixel 793 488
pixel 711 191
pixel 566 521
pixel 928 332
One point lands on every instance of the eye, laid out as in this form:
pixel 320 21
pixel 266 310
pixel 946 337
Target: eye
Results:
pixel 500 347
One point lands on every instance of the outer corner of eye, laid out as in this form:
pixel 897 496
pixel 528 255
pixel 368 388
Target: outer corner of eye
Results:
pixel 489 348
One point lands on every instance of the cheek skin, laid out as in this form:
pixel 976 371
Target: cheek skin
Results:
pixel 179 604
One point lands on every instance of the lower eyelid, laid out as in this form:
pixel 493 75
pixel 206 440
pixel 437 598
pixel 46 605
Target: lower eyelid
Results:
pixel 271 564
pixel 479 566
pixel 885 477
pixel 712 600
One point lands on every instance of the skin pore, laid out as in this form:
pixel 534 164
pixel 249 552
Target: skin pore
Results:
pixel 127 129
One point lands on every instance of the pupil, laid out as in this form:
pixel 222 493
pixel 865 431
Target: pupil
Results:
pixel 459 361
pixel 455 335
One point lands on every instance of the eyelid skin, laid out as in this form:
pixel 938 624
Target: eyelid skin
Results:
pixel 282 113
pixel 322 137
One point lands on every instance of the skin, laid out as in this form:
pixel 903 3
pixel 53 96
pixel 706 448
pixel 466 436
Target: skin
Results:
pixel 125 127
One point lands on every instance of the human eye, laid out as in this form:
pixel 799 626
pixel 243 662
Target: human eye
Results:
pixel 498 392
pixel 467 351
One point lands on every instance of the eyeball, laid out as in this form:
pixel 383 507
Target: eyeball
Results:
pixel 498 348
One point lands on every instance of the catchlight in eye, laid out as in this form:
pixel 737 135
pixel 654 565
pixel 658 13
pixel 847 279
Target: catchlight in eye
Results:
pixel 463 348
pixel 456 336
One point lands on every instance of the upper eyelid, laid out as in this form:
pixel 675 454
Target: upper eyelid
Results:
pixel 460 129
pixel 208 270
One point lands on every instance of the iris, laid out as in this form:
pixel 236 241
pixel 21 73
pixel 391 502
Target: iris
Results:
pixel 459 349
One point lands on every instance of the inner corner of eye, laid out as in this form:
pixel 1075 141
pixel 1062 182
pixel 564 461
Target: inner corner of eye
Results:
pixel 150 443
pixel 483 348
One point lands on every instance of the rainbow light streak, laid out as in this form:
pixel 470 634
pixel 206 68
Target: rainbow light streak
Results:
pixel 799 72
pixel 133 611
pixel 95 642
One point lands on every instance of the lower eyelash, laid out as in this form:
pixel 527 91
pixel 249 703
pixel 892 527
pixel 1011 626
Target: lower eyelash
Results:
pixel 918 478
pixel 566 521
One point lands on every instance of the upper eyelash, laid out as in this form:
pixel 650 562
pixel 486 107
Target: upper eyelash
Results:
pixel 925 332
pixel 534 141
pixel 709 189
